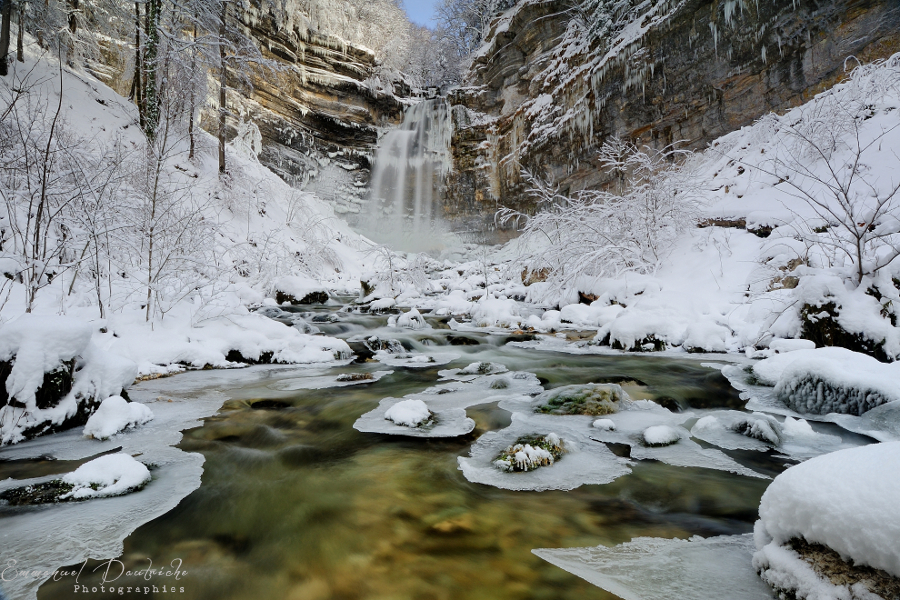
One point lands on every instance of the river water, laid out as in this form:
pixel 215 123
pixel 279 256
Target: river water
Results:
pixel 296 504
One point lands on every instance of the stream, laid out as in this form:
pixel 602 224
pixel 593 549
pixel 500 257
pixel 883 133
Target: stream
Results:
pixel 296 504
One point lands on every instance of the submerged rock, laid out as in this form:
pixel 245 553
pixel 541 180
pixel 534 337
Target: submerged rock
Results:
pixel 595 399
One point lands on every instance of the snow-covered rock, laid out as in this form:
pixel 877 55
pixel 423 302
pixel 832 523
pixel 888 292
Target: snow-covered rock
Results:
pixel 410 413
pixel 846 501
pixel 56 375
pixel 661 435
pixel 296 289
pixel 116 414
pixel 827 380
pixel 110 475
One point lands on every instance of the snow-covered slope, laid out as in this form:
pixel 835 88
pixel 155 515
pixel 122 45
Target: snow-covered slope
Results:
pixel 159 256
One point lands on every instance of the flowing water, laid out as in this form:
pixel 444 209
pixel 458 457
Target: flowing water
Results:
pixel 296 504
pixel 407 174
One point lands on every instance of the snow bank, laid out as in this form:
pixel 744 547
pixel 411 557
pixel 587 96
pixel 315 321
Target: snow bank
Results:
pixel 110 475
pixel 116 414
pixel 39 345
pixel 846 500
pixel 57 353
pixel 410 413
pixel 827 380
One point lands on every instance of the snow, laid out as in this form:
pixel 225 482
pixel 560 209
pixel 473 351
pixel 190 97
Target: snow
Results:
pixel 605 424
pixel 41 344
pixel 846 500
pixel 585 462
pixel 410 413
pixel 661 435
pixel 661 569
pixel 299 287
pixel 110 475
pixel 638 416
pixel 410 320
pixel 827 380
pixel 116 414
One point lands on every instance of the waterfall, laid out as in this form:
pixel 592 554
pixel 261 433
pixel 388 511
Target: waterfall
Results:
pixel 407 175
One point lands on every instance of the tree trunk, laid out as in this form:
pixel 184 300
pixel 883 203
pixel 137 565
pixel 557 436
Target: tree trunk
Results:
pixel 151 93
pixel 5 18
pixel 20 40
pixel 137 86
pixel 193 101
pixel 73 21
pixel 222 75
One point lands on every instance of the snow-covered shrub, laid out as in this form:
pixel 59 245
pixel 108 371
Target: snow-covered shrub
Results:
pixel 828 157
pixel 605 233
pixel 530 452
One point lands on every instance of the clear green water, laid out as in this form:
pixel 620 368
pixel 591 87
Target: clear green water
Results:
pixel 295 504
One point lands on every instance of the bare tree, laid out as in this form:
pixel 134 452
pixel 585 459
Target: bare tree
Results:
pixel 827 155
pixel 603 233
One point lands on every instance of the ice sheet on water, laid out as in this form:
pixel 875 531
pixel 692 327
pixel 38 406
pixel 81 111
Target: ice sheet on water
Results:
pixel 661 569
pixel 449 400
pixel 792 437
pixel 724 429
pixel 320 382
pixel 881 423
pixel 415 360
pixel 450 422
pixel 584 461
pixel 66 534
pixel 638 416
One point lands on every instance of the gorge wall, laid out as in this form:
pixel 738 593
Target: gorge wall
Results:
pixel 318 112
pixel 544 95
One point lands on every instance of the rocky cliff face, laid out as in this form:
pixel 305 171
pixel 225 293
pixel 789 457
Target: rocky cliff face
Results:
pixel 318 114
pixel 545 95
pixel 318 117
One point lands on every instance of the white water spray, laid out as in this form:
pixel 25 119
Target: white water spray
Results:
pixel 405 190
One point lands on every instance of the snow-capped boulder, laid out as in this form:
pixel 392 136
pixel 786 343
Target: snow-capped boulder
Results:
pixel 52 377
pixel 843 503
pixel 296 289
pixel 114 415
pixel 828 380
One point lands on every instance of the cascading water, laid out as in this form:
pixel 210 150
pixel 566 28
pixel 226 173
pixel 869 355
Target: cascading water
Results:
pixel 410 164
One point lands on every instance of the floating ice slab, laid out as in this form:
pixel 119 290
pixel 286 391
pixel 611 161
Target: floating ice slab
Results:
pixel 415 360
pixel 638 416
pixel 450 422
pixel 584 462
pixel 320 382
pixel 448 402
pixel 881 423
pixel 66 534
pixel 793 437
pixel 660 569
